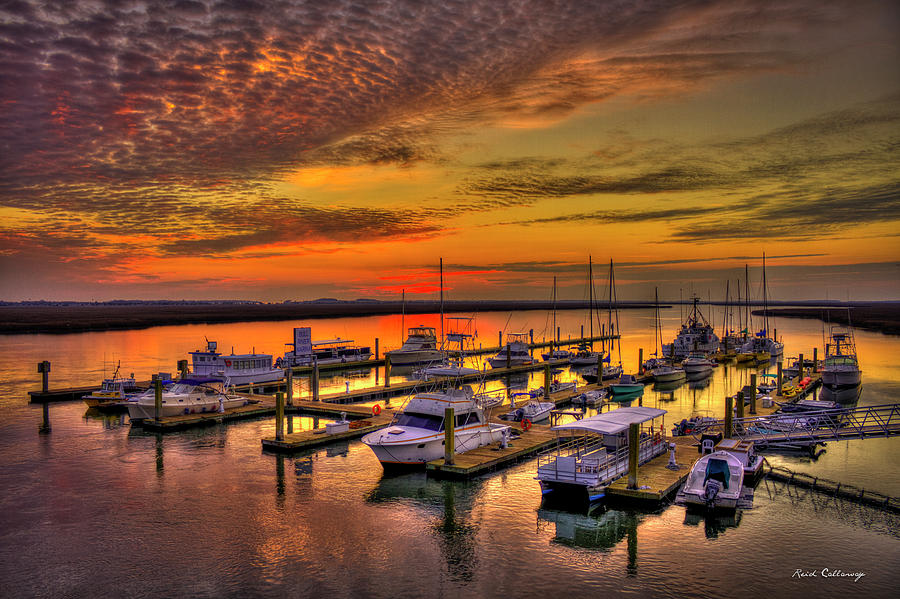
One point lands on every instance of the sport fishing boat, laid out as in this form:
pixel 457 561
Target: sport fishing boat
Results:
pixel 715 482
pixel 234 369
pixel 192 395
pixel 593 452
pixel 416 435
pixel 515 352
pixel 420 347
pixel 113 391
pixel 841 368
pixel 696 334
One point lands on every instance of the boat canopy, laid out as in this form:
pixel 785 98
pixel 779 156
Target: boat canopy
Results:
pixel 612 422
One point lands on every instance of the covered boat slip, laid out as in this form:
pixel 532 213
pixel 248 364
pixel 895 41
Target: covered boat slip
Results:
pixel 593 452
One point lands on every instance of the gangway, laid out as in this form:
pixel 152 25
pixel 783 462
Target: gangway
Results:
pixel 802 429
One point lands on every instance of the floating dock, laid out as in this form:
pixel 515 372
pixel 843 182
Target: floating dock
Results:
pixel 655 481
pixel 490 457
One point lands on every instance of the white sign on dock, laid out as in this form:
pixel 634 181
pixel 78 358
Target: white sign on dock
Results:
pixel 302 341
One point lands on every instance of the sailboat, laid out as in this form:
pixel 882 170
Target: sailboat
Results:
pixel 451 366
pixel 761 345
pixel 585 355
pixel 558 353
pixel 608 370
pixel 660 369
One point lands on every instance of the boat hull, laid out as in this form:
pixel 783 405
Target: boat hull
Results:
pixel 838 379
pixel 400 358
pixel 421 451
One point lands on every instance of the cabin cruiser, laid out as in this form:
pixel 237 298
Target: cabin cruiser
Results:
pixel 841 369
pixel 329 351
pixel 697 364
pixel 667 374
pixel 608 372
pixel 420 347
pixel 760 349
pixel 416 435
pixel 514 353
pixel 592 452
pixel 715 482
pixel 187 396
pixel 234 369
pixel 584 356
pixel 556 354
pixel 696 334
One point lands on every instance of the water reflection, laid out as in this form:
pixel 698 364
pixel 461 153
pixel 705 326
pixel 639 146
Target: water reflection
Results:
pixel 601 530
pixel 713 524
pixel 450 502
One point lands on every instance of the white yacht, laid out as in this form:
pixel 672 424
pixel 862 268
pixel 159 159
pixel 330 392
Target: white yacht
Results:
pixel 667 374
pixel 235 369
pixel 697 364
pixel 841 368
pixel 515 352
pixel 187 396
pixel 420 347
pixel 593 452
pixel 696 334
pixel 417 433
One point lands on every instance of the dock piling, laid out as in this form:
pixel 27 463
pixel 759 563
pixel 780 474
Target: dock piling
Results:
pixel 279 416
pixel 815 367
pixel 157 397
pixel 634 433
pixel 45 419
pixel 289 385
pixel 753 394
pixel 800 371
pixel 44 369
pixel 729 416
pixel 640 360
pixel 376 348
pixel 449 436
pixel 387 371
pixel 740 404
pixel 315 380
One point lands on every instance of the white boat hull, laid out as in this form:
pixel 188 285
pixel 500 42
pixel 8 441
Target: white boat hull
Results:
pixel 147 410
pixel 423 450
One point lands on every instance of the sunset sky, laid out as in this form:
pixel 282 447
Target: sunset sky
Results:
pixel 296 150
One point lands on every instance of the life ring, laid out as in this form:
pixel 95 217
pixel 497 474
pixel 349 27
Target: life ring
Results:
pixel 376 410
pixel 526 424
pixel 228 363
pixel 657 438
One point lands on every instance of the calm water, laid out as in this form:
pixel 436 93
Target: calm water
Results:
pixel 98 509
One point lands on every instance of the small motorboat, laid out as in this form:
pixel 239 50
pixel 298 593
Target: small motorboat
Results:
pixel 626 389
pixel 533 411
pixel 715 482
pixel 590 399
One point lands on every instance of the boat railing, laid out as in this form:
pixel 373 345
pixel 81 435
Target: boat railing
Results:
pixel 581 462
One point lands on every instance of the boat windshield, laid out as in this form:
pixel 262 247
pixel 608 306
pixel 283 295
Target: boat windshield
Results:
pixel 426 421
pixel 718 470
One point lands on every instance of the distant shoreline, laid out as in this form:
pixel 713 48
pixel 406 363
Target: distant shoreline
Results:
pixel 881 317
pixel 47 318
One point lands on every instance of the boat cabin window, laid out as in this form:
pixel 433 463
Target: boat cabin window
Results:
pixel 427 421
pixel 466 419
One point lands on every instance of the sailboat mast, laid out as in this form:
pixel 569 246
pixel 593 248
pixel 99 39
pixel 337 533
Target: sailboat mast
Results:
pixel 658 348
pixel 441 266
pixel 747 293
pixel 591 297
pixel 765 298
pixel 612 296
pixel 725 312
pixel 403 315
pixel 553 332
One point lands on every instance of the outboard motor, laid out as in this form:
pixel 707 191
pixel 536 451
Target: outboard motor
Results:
pixel 711 491
pixel 520 414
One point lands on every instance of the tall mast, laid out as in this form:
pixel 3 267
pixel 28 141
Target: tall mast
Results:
pixel 591 297
pixel 612 295
pixel 725 312
pixel 442 301
pixel 553 332
pixel 747 293
pixel 765 298
pixel 403 315
pixel 658 331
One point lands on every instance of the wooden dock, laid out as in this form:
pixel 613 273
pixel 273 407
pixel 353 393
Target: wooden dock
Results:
pixel 491 457
pixel 67 394
pixel 660 482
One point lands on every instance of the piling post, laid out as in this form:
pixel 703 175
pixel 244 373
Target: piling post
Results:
pixel 753 394
pixel 547 382
pixel 387 371
pixel 557 335
pixel 800 371
pixel 449 436
pixel 634 440
pixel 44 369
pixel 315 381
pixel 779 379
pixel 582 332
pixel 157 398
pixel 740 404
pixel 279 416
pixel 508 358
pixel 500 339
pixel 729 416
pixel 289 385
pixel 599 368
pixel 815 367
pixel 640 360
pixel 376 348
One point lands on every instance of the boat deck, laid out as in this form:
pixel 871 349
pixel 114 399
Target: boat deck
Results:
pixel 655 482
